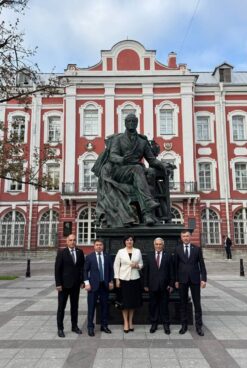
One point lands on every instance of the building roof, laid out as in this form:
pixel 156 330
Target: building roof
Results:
pixel 208 78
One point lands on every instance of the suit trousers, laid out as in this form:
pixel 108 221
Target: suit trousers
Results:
pixel 196 297
pixel 158 306
pixel 73 294
pixel 228 252
pixel 92 298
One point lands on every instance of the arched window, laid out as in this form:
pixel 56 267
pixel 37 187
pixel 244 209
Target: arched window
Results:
pixel 124 110
pixel 240 226
pixel 88 180
pixel 210 226
pixel 48 225
pixel 177 217
pixel 86 226
pixel 12 229
pixel 90 115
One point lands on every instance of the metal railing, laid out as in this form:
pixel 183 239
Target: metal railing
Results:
pixel 183 187
pixel 78 188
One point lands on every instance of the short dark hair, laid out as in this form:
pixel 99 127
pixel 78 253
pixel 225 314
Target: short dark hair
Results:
pixel 99 240
pixel 186 231
pixel 126 237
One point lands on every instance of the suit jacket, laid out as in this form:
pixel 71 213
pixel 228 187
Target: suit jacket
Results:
pixel 158 278
pixel 228 242
pixel 91 271
pixel 68 274
pixel 123 151
pixel 122 269
pixel 192 269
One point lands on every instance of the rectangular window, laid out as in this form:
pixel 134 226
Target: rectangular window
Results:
pixel 18 128
pixel 91 121
pixel 54 174
pixel 205 176
pixel 241 176
pixel 14 186
pixel 238 128
pixel 89 179
pixel 54 129
pixel 202 125
pixel 166 122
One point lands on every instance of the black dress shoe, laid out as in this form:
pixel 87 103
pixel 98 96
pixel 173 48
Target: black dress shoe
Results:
pixel 105 329
pixel 76 330
pixel 167 329
pixel 125 331
pixel 60 333
pixel 131 330
pixel 199 331
pixel 183 329
pixel 153 328
pixel 91 332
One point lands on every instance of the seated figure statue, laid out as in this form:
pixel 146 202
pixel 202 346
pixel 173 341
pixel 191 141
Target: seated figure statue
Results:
pixel 123 178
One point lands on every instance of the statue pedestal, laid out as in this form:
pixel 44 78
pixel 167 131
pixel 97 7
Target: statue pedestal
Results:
pixel 144 237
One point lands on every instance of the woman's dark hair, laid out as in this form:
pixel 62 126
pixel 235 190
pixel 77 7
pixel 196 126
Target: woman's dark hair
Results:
pixel 127 237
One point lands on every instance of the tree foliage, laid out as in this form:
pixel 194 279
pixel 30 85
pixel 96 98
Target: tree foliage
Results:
pixel 20 79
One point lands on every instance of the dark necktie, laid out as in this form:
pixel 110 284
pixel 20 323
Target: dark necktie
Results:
pixel 73 255
pixel 101 275
pixel 187 251
pixel 158 259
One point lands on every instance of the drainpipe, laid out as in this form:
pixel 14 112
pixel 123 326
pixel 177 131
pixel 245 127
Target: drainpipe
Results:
pixel 225 157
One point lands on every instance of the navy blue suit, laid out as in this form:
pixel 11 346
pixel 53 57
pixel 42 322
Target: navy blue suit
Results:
pixel 98 289
pixel 189 273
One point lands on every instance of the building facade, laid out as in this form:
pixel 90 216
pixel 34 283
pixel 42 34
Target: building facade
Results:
pixel 199 120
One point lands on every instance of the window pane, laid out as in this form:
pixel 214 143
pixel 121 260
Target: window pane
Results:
pixel 54 173
pixel 238 128
pixel 89 179
pixel 166 122
pixel 54 129
pixel 203 128
pixel 18 128
pixel 91 121
pixel 48 226
pixel 241 176
pixel 205 176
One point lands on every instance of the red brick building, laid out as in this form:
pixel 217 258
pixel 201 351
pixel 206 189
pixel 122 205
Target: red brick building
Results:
pixel 199 119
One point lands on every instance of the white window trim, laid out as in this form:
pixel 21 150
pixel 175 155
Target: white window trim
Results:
pixel 50 226
pixel 8 182
pixel 81 112
pixel 230 116
pixel 237 160
pixel 208 220
pixel 90 240
pixel 119 114
pixel 80 163
pixel 46 117
pixel 181 214
pixel 45 170
pixel 14 211
pixel 169 106
pixel 211 117
pixel 26 116
pixel 213 173
pixel 171 155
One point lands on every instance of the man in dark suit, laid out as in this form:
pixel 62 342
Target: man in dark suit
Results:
pixel 98 276
pixel 227 244
pixel 159 281
pixel 190 273
pixel 69 278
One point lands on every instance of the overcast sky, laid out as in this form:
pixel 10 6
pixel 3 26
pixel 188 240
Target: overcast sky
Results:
pixel 203 33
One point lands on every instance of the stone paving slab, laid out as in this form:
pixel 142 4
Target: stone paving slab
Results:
pixel 28 335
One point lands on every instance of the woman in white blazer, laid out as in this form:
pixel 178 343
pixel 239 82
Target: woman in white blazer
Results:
pixel 127 265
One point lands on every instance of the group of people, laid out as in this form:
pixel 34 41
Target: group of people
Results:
pixel 161 274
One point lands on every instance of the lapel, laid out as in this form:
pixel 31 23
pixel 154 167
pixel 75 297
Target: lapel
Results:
pixel 163 259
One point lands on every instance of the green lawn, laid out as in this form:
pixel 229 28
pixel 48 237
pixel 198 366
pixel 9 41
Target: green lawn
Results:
pixel 8 277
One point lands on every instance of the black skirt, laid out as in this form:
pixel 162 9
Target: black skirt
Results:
pixel 131 294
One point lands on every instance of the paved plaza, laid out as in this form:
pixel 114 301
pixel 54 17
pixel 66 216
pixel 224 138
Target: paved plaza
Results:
pixel 28 327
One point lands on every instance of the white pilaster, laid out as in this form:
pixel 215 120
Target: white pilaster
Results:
pixel 34 140
pixel 188 136
pixel 109 108
pixel 147 90
pixel 70 129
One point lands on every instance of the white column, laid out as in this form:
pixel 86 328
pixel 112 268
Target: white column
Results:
pixel 188 136
pixel 69 136
pixel 148 119
pixel 109 109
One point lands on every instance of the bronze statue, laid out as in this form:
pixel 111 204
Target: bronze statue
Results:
pixel 124 180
